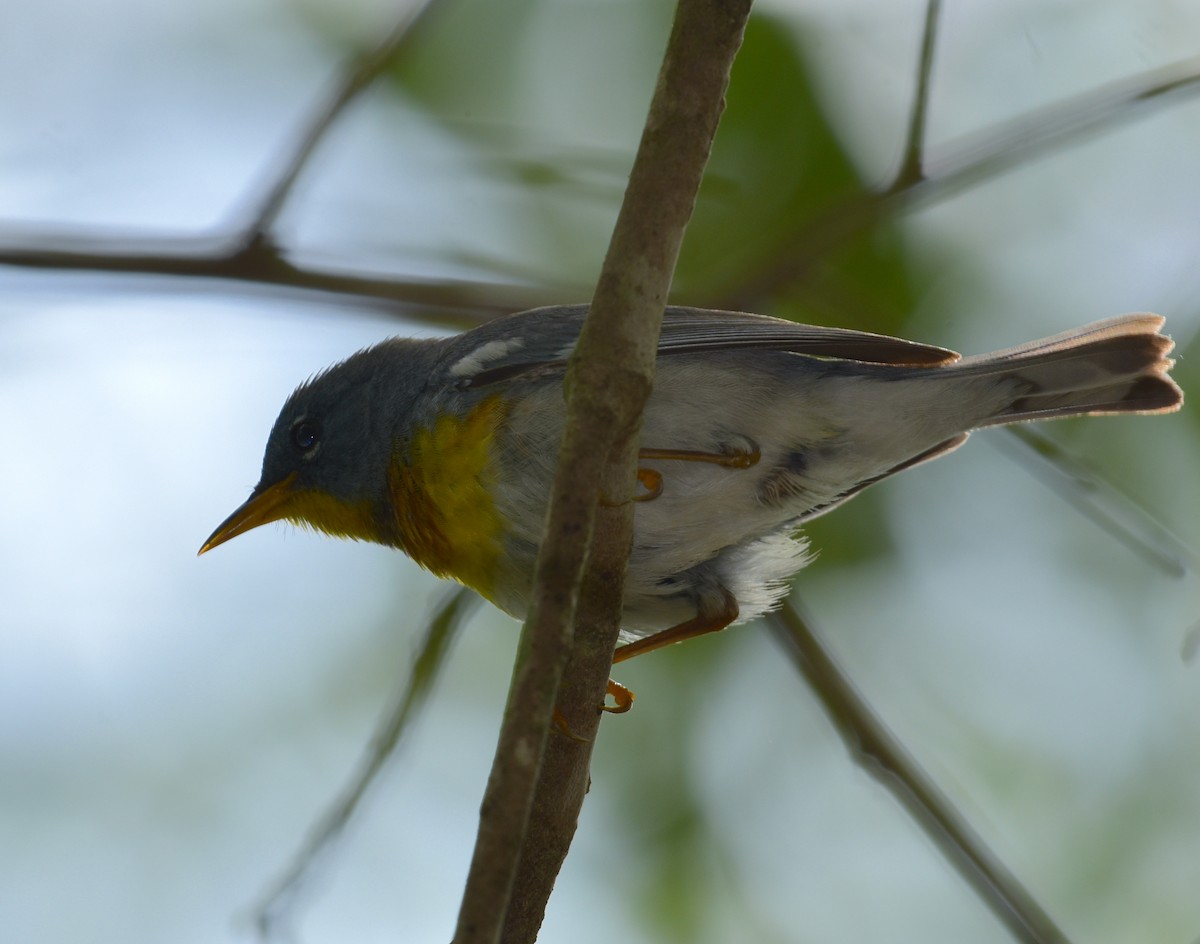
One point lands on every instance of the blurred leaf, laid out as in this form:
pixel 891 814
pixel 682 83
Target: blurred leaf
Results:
pixel 854 534
pixel 469 63
pixel 551 98
pixel 673 845
pixel 775 163
pixel 516 71
pixel 777 167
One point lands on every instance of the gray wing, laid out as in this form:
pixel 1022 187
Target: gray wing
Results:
pixel 541 340
pixel 690 330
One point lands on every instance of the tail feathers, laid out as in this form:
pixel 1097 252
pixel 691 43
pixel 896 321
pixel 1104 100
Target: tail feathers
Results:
pixel 1114 366
pixel 1142 395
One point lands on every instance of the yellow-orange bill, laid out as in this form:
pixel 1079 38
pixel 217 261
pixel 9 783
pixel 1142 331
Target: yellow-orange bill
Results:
pixel 262 507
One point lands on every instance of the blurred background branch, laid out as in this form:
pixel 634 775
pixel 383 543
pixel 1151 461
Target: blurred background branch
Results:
pixel 251 253
pixel 1056 722
pixel 877 750
pixel 356 77
pixel 274 914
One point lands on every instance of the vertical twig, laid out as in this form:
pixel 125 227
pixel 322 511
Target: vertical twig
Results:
pixel 912 169
pixel 967 162
pixel 608 382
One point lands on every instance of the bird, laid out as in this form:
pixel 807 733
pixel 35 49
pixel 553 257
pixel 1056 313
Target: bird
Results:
pixel 446 447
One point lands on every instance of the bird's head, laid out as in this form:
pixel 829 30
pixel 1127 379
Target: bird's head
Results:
pixel 326 461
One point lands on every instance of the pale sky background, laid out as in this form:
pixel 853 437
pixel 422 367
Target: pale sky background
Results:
pixel 169 726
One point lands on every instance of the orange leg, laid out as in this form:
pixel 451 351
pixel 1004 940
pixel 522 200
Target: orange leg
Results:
pixel 621 696
pixel 651 481
pixel 732 460
pixel 697 626
pixel 622 702
pixel 651 484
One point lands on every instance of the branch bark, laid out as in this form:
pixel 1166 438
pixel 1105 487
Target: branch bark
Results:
pixel 590 522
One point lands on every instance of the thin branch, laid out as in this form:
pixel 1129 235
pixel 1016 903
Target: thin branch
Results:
pixel 609 381
pixel 962 164
pixel 249 254
pixel 356 76
pixel 967 162
pixel 1089 491
pixel 455 305
pixel 912 170
pixel 878 751
pixel 973 158
pixel 272 915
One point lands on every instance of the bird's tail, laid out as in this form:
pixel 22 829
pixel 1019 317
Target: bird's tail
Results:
pixel 1114 366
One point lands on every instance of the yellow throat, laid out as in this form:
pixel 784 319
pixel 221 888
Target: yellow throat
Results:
pixel 444 515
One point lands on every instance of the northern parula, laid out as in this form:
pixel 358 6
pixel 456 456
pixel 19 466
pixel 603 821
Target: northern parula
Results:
pixel 446 448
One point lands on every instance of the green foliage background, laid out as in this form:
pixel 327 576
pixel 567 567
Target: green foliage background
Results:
pixel 171 726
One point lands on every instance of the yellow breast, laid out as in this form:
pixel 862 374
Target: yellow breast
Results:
pixel 441 497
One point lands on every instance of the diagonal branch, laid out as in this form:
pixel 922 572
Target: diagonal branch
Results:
pixel 1088 490
pixel 457 305
pixel 967 162
pixel 962 164
pixel 357 76
pixel 608 383
pixel 874 746
pixel 273 913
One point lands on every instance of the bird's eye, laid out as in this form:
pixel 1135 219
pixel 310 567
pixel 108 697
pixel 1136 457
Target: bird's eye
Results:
pixel 305 435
